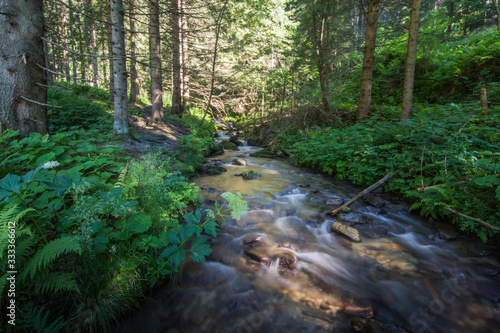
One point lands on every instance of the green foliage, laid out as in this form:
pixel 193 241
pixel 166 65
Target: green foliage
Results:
pixel 77 108
pixel 460 155
pixel 37 320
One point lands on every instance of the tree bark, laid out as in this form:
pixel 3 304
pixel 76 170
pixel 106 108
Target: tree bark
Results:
pixel 451 11
pixel 120 125
pixel 320 57
pixel 22 54
pixel 110 54
pixel 176 59
pixel 135 89
pixel 185 57
pixel 155 60
pixel 484 101
pixel 368 60
pixel 72 43
pixel 411 56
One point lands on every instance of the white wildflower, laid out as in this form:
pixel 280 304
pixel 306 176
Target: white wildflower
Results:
pixel 50 165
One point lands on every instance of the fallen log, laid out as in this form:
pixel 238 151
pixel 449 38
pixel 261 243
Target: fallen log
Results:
pixel 362 193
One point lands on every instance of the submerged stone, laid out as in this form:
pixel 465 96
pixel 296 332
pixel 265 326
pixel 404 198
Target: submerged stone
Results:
pixel 354 218
pixel 240 161
pixel 373 201
pixel 335 202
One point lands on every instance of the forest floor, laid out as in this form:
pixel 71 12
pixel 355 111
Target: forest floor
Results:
pixel 146 135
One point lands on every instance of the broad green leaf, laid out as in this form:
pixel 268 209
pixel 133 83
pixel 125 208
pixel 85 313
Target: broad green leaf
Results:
pixel 11 183
pixel 138 223
pixel 210 228
pixel 171 237
pixel 187 230
pixel 45 158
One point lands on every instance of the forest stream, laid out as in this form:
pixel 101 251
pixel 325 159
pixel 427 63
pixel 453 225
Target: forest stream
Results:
pixel 280 268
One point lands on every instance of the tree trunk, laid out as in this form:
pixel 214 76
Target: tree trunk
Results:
pixel 22 54
pixel 484 101
pixel 368 60
pixel 176 59
pixel 110 55
pixel 411 56
pixel 135 90
pixel 185 57
pixel 320 58
pixel 451 11
pixel 64 33
pixel 155 60
pixel 120 125
pixel 95 66
pixel 72 42
pixel 497 9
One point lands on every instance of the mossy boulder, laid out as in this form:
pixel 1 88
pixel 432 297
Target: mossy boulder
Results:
pixel 229 145
pixel 217 149
pixel 249 174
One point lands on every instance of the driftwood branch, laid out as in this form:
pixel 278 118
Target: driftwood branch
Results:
pixel 42 104
pixel 362 193
pixel 424 188
pixel 472 219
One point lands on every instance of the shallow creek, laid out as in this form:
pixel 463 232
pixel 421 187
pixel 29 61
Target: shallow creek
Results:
pixel 280 268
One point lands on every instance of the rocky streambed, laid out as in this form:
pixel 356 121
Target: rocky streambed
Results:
pixel 286 266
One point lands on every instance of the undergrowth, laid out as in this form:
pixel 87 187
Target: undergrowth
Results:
pixel 446 156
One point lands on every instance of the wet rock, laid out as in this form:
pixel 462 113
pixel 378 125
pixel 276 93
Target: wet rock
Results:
pixel 212 170
pixel 446 231
pixel 319 315
pixel 373 201
pixel 346 210
pixel 258 254
pixel 255 206
pixel 286 212
pixel 376 326
pixel 335 202
pixel 229 145
pixel 373 231
pixel 359 311
pixel 234 139
pixel 255 217
pixel 250 174
pixel 253 142
pixel 304 185
pixel 354 218
pixel 266 153
pixel 197 318
pixel 285 259
pixel 253 240
pixel 217 149
pixel 239 161
pixel 209 202
pixel 246 298
pixel 349 232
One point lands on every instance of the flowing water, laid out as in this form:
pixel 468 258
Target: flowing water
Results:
pixel 280 268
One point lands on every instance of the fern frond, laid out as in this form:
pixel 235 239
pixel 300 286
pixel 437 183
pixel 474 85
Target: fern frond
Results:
pixel 51 252
pixel 3 282
pixel 121 177
pixel 55 282
pixel 11 214
pixel 37 320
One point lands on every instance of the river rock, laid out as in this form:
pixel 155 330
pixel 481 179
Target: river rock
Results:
pixel 250 174
pixel 446 231
pixel 373 201
pixel 209 169
pixel 335 202
pixel 349 232
pixel 258 254
pixel 354 218
pixel 377 326
pixel 266 153
pixel 234 139
pixel 240 161
pixel 216 150
pixel 229 145
pixel 286 259
pixel 373 231
pixel 359 311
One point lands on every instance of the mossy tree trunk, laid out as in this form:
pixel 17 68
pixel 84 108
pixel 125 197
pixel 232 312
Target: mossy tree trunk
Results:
pixel 365 94
pixel 135 89
pixel 22 94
